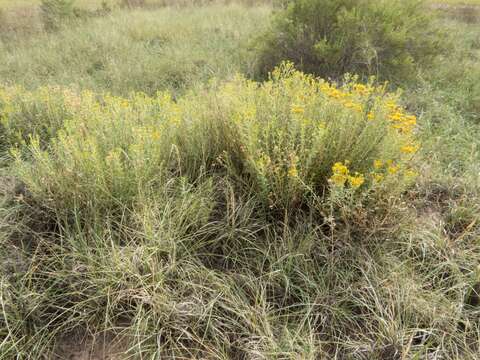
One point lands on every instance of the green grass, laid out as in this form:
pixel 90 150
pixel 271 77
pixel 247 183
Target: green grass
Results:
pixel 202 225
pixel 9 4
pixel 139 50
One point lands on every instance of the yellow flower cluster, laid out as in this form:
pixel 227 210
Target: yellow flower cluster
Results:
pixel 341 175
pixel 402 122
pixel 297 109
pixel 409 149
pixel 389 167
pixel 348 98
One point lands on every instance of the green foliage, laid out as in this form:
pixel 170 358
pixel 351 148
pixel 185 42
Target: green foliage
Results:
pixel 388 39
pixel 452 80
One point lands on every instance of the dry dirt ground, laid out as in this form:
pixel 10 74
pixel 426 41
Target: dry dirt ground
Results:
pixel 462 12
pixel 78 347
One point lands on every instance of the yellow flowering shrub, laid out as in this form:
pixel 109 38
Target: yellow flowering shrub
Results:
pixel 40 113
pixel 287 140
pixel 106 155
pixel 294 136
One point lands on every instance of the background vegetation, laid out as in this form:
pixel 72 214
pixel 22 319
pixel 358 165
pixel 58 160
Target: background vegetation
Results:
pixel 383 38
pixel 158 201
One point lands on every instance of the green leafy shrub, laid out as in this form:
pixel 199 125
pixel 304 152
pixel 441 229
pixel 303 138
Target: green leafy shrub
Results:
pixel 55 12
pixel 288 141
pixel 386 38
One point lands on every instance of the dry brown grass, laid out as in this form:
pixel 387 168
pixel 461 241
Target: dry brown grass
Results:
pixel 23 20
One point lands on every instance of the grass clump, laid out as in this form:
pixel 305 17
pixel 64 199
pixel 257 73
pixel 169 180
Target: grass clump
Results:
pixel 329 38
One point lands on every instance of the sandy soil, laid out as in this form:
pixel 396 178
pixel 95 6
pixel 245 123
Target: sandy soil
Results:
pixel 77 347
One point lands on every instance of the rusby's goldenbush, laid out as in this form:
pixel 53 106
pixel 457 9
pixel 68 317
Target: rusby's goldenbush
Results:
pixel 294 137
pixel 39 113
pixel 386 38
pixel 289 141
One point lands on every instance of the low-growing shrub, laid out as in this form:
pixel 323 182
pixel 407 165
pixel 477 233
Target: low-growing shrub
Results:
pixel 386 38
pixel 288 141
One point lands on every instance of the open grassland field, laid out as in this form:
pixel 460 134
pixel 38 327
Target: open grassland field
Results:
pixel 138 50
pixel 240 179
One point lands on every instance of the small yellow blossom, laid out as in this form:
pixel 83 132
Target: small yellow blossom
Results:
pixel 156 135
pixel 339 168
pixel 409 149
pixel 378 177
pixel 293 172
pixel 297 109
pixel 410 174
pixel 393 169
pixel 340 174
pixel 339 179
pixel 397 116
pixel 377 164
pixel 360 88
pixel 356 181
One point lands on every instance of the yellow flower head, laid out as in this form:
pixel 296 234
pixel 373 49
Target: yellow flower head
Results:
pixel 339 179
pixel 411 174
pixel 409 149
pixel 393 169
pixel 156 135
pixel 124 103
pixel 339 168
pixel 360 88
pixel 293 172
pixel 377 177
pixel 377 164
pixel 340 174
pixel 297 109
pixel 356 181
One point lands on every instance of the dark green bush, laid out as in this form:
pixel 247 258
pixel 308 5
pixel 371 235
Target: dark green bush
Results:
pixel 386 38
pixel 55 12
